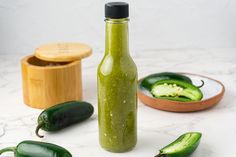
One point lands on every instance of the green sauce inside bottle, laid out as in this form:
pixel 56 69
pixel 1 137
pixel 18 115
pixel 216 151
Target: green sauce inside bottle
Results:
pixel 117 90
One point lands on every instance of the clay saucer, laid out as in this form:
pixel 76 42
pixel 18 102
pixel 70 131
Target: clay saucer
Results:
pixel 213 92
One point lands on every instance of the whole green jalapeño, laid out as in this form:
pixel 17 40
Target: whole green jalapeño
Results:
pixel 117 88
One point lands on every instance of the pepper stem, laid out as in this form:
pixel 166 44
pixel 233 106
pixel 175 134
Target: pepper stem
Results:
pixel 8 149
pixel 37 130
pixel 201 84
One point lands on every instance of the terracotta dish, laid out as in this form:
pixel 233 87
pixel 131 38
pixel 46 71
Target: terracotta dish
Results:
pixel 213 92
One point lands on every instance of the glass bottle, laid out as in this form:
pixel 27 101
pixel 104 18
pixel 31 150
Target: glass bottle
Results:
pixel 117 84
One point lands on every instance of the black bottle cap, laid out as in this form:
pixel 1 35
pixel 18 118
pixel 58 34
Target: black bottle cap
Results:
pixel 117 10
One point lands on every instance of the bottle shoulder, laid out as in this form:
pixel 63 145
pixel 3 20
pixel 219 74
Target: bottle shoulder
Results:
pixel 111 65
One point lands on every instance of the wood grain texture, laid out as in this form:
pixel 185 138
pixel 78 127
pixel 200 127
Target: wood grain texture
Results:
pixel 46 84
pixel 64 51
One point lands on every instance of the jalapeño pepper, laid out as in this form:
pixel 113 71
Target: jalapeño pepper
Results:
pixel 176 90
pixel 148 81
pixel 184 146
pixel 37 149
pixel 63 115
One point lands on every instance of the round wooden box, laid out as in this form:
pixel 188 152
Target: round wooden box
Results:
pixel 49 77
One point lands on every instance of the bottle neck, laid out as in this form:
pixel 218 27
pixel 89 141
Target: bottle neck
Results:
pixel 117 42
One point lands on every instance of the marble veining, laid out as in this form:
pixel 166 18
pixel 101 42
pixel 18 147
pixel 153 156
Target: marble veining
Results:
pixel 155 128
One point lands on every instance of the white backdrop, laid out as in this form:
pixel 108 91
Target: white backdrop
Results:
pixel 155 24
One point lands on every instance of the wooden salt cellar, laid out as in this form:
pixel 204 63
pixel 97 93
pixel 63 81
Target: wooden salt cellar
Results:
pixel 53 74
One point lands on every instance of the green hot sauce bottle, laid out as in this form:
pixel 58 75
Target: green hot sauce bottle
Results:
pixel 117 84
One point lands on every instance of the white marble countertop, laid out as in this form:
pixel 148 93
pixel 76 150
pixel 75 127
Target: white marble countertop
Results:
pixel 155 128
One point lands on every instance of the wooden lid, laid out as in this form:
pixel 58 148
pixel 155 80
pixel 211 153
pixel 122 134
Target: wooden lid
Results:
pixel 63 52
